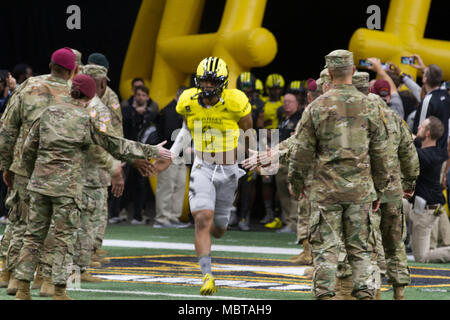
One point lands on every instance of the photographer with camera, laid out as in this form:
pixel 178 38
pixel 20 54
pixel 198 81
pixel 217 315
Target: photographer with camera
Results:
pixel 388 93
pixel 425 207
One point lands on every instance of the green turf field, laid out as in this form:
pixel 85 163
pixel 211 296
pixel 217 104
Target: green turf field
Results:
pixel 160 264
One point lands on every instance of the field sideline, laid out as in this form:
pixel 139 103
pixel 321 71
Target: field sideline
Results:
pixel 160 264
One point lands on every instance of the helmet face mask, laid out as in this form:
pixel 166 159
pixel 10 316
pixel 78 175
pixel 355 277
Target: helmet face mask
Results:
pixel 214 71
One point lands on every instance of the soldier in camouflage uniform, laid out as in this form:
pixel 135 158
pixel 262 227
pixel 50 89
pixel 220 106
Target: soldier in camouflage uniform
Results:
pixel 43 278
pixel 96 176
pixel 23 108
pixel 390 254
pixel 110 100
pixel 99 217
pixel 305 257
pixel 283 152
pixel 68 130
pixel 343 133
pixel 404 170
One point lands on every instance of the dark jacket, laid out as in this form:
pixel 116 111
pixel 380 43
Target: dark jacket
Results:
pixel 439 106
pixel 428 185
pixel 169 121
pixel 286 125
pixel 135 124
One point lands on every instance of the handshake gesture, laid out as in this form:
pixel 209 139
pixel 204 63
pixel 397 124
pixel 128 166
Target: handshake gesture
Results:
pixel 145 168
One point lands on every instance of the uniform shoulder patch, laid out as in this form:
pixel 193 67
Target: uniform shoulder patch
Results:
pixel 116 106
pixel 105 119
pixel 103 127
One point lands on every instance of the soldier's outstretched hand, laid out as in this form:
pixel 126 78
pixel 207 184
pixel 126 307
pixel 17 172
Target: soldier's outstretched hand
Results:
pixel 164 153
pixel 8 178
pixel 376 206
pixel 257 159
pixel 145 167
pixel 162 165
pixel 117 183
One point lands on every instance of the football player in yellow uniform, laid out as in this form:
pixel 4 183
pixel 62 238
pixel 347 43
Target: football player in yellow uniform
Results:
pixel 274 86
pixel 213 116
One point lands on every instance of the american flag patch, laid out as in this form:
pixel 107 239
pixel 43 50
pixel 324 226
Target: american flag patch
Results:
pixel 105 119
pixel 116 106
pixel 103 127
pixel 93 113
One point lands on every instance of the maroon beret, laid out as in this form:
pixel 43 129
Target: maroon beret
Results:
pixel 312 85
pixel 86 85
pixel 381 88
pixel 65 58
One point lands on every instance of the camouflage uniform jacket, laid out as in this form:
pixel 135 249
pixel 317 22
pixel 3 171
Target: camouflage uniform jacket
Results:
pixel 403 160
pixel 99 165
pixel 55 148
pixel 111 100
pixel 23 108
pixel 343 135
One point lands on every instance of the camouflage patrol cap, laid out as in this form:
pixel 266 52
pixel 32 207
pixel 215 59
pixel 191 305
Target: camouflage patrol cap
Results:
pixel 361 79
pixel 339 59
pixel 78 56
pixel 95 71
pixel 325 76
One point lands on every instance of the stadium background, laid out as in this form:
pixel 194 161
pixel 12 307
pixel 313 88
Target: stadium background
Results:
pixel 305 30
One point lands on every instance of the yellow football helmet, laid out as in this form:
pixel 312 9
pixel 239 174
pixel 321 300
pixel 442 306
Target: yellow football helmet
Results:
pixel 246 80
pixel 297 86
pixel 275 81
pixel 259 85
pixel 215 70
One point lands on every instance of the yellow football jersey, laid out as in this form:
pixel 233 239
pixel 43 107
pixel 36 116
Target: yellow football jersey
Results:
pixel 270 112
pixel 214 129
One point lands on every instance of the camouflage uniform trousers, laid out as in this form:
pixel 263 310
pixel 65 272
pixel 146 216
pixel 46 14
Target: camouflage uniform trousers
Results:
pixel 377 258
pixel 390 254
pixel 100 220
pixel 303 215
pixel 6 239
pixel 393 233
pixel 46 260
pixel 65 213
pixel 7 235
pixel 18 216
pixel 329 223
pixel 93 201
pixel 93 206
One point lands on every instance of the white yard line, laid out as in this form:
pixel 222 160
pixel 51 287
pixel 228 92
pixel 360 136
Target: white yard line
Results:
pixel 185 246
pixel 147 293
pixel 215 248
